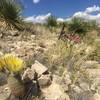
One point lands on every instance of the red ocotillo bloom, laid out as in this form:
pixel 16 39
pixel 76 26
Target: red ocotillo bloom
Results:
pixel 74 37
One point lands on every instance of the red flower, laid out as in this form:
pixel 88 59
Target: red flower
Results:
pixel 74 37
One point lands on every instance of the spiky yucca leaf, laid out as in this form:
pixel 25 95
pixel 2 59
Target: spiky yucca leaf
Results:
pixel 13 63
pixel 10 13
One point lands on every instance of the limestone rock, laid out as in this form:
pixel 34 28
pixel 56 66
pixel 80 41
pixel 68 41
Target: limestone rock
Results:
pixel 39 68
pixel 54 92
pixel 94 72
pixel 14 33
pixel 96 97
pixel 45 80
pixel 33 36
pixel 1 35
pixel 4 92
pixel 28 74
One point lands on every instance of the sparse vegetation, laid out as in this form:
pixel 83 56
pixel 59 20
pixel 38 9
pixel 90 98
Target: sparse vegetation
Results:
pixel 68 55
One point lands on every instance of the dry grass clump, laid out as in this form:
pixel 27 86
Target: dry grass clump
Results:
pixel 56 55
pixel 95 55
pixel 70 56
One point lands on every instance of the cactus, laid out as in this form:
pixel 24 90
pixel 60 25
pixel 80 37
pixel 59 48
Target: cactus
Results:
pixel 12 63
pixel 3 78
pixel 16 86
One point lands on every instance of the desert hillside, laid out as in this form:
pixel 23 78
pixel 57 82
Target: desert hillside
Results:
pixel 48 61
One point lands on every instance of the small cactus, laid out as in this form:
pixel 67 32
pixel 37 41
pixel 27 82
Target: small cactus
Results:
pixel 12 63
pixel 3 78
pixel 16 86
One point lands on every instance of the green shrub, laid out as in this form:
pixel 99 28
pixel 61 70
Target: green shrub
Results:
pixel 51 21
pixel 78 26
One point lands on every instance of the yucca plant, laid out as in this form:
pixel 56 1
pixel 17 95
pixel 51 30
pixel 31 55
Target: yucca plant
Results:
pixel 10 12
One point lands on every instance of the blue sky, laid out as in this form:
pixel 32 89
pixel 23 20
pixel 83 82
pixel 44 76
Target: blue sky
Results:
pixel 38 11
pixel 59 8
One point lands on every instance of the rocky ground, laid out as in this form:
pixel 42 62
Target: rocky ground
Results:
pixel 31 47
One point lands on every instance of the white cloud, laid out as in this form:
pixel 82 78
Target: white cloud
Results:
pixel 60 19
pixel 87 14
pixel 36 1
pixel 41 19
pixel 92 9
pixel 38 19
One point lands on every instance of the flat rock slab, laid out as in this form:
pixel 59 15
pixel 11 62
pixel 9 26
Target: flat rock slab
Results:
pixel 39 68
pixel 4 92
pixel 54 92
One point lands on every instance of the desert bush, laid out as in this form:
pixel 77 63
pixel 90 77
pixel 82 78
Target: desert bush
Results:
pixel 51 21
pixel 78 26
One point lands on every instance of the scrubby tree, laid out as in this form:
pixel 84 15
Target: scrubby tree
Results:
pixel 78 26
pixel 51 21
pixel 10 11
